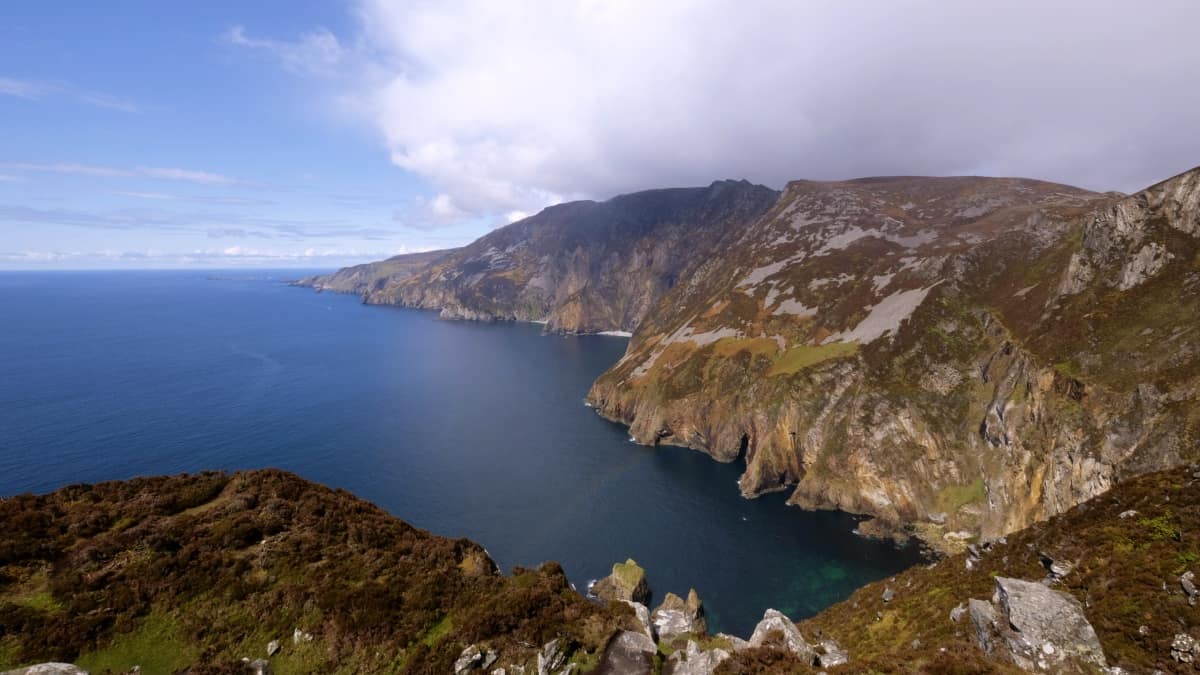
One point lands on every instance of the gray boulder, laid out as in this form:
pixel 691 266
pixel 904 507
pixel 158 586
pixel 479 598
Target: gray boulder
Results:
pixel 48 669
pixel 775 625
pixel 470 659
pixel 273 647
pixel 629 653
pixel 1185 648
pixel 830 654
pixel 695 661
pixel 627 582
pixel 675 616
pixel 259 667
pixel 1187 581
pixel 1036 628
pixel 552 657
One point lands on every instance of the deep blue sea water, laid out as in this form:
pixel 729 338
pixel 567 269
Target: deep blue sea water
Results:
pixel 464 429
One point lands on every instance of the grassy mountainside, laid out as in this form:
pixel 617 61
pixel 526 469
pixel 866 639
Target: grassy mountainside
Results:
pixel 958 356
pixel 196 572
pixel 363 279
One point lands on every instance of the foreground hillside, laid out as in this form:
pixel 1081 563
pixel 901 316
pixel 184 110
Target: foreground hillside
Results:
pixel 196 573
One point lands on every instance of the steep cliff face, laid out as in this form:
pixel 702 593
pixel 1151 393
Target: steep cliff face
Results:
pixel 584 266
pixel 363 279
pixel 968 355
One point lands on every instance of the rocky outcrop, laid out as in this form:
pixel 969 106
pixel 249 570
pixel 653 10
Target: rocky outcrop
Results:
pixel 778 630
pixel 627 583
pixel 676 617
pixel 695 661
pixel 1036 628
pixel 47 669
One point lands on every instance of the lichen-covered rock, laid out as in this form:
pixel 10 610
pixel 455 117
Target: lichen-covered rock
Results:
pixel 675 616
pixel 1036 628
pixel 627 583
pixel 775 626
pixel 48 669
pixel 1185 648
pixel 695 661
pixel 552 657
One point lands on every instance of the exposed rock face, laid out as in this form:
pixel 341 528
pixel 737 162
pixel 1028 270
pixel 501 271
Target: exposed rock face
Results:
pixel 47 669
pixel 964 354
pixel 628 653
pixel 627 583
pixel 675 616
pixel 777 627
pixel 695 661
pixel 1036 628
pixel 580 267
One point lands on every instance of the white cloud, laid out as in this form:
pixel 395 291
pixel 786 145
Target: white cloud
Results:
pixel 317 52
pixel 509 106
pixel 26 89
pixel 161 173
pixel 232 256
pixel 36 90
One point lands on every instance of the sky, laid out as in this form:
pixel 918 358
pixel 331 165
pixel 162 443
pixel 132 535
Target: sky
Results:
pixel 315 133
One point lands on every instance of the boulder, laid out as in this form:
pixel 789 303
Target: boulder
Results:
pixel 629 653
pixel 259 667
pixel 627 582
pixel 48 669
pixel 470 659
pixel 299 636
pixel 695 661
pixel 830 654
pixel 1189 586
pixel 775 625
pixel 552 657
pixel 273 647
pixel 675 616
pixel 1185 648
pixel 958 612
pixel 1036 628
pixel 888 595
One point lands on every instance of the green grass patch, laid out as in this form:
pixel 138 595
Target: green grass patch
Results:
pixel 1160 528
pixel 438 631
pixel 954 497
pixel 798 358
pixel 155 645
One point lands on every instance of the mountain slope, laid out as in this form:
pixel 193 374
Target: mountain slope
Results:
pixel 583 266
pixel 962 354
pixel 362 279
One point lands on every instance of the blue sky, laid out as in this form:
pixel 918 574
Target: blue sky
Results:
pixel 304 133
pixel 138 134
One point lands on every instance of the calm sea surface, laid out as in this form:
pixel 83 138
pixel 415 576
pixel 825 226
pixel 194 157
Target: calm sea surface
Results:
pixel 464 429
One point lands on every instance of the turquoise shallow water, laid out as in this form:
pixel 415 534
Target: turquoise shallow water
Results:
pixel 464 429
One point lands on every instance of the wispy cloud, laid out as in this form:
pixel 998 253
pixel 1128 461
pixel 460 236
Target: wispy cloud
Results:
pixel 160 173
pixel 202 199
pixel 317 52
pixel 5 178
pixel 213 225
pixel 229 256
pixel 36 90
